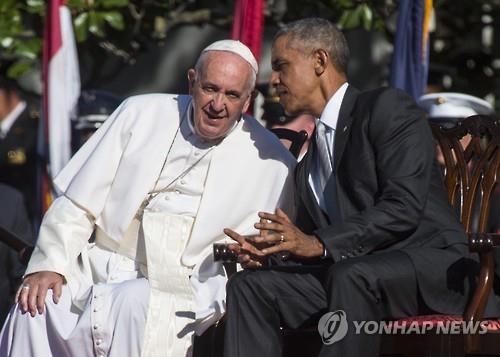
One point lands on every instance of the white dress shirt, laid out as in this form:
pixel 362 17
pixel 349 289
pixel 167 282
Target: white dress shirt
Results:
pixel 10 119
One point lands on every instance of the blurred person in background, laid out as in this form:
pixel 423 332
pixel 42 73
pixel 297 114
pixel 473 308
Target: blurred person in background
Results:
pixel 14 218
pixel 298 123
pixel 18 136
pixel 275 118
pixel 94 107
pixel 447 109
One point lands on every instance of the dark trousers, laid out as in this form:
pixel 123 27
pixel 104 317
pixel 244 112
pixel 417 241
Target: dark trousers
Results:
pixel 368 288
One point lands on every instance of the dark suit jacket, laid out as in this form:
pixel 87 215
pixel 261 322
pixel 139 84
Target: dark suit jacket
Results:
pixel 387 193
pixel 18 157
pixel 13 216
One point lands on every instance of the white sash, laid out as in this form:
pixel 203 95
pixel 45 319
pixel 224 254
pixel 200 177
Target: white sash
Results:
pixel 170 320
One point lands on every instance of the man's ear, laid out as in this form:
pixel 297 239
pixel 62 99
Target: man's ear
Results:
pixel 321 59
pixel 191 79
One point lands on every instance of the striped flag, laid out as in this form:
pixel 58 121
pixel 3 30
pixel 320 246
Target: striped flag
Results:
pixel 61 81
pixel 410 61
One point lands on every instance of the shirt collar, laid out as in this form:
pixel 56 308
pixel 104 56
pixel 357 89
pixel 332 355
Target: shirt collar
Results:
pixel 330 114
pixel 9 120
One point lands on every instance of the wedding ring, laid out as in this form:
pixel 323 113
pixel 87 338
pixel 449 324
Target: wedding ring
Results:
pixel 282 238
pixel 25 286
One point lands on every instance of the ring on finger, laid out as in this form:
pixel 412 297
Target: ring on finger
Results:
pixel 25 286
pixel 282 238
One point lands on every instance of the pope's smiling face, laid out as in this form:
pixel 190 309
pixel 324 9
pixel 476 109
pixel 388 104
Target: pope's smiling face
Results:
pixel 221 89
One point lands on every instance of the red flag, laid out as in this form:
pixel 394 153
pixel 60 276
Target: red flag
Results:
pixel 248 24
pixel 61 81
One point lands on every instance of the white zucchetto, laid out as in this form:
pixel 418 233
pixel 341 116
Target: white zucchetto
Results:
pixel 235 47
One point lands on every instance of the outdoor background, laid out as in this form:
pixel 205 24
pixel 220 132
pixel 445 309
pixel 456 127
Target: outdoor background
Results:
pixel 138 46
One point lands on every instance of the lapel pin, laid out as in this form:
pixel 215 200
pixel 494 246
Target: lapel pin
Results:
pixel 345 128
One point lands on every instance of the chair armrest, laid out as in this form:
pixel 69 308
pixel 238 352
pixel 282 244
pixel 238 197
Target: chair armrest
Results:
pixel 22 247
pixel 483 242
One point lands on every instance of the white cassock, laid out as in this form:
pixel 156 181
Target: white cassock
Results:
pixel 147 281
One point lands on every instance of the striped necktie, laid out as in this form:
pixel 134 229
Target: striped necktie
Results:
pixel 323 161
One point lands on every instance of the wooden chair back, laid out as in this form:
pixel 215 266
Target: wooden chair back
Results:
pixel 471 173
pixel 297 139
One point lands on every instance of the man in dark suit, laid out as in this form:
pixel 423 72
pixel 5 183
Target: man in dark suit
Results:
pixel 18 134
pixel 375 237
pixel 14 218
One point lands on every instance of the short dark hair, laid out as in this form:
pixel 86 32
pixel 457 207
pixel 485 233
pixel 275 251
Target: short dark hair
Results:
pixel 7 84
pixel 314 33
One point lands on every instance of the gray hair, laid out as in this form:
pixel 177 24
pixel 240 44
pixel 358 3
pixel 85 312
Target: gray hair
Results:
pixel 201 61
pixel 310 34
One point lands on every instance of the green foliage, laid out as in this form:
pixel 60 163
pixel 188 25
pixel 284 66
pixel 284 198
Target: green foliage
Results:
pixel 118 22
pixel 19 68
pixel 81 24
pixel 21 43
pixel 35 6
pixel 356 15
pixel 114 19
pixel 28 49
pixel 17 42
pixel 93 17
pixel 113 3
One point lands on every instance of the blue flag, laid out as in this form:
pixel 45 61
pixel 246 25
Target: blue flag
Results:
pixel 410 59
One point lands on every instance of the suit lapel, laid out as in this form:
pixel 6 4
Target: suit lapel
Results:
pixel 332 202
pixel 343 125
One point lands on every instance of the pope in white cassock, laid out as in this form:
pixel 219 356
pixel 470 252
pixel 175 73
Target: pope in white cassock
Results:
pixel 123 264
